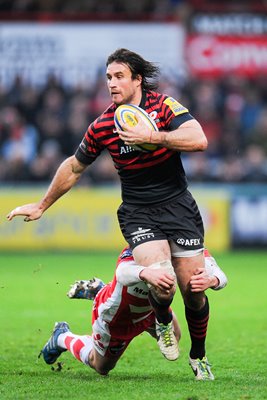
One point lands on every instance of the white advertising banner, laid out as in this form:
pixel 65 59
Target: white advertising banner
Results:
pixel 76 52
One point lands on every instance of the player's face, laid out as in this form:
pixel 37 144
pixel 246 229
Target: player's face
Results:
pixel 122 87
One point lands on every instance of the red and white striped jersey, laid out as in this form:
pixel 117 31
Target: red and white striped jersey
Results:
pixel 124 310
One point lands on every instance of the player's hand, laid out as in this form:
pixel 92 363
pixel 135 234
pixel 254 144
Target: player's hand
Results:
pixel 201 280
pixel 137 134
pixel 31 212
pixel 158 278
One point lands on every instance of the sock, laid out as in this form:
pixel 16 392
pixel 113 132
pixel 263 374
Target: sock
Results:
pixel 197 325
pixel 162 310
pixel 79 346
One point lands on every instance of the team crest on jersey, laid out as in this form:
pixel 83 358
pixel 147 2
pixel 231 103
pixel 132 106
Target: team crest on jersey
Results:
pixel 177 108
pixel 153 115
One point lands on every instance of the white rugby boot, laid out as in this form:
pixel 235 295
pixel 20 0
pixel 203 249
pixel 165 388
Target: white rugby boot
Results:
pixel 167 341
pixel 201 369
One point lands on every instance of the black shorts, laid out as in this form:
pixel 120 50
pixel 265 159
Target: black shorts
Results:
pixel 178 219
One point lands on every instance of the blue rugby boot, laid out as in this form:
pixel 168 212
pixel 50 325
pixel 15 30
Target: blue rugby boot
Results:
pixel 51 351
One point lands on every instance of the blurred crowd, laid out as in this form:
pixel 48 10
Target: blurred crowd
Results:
pixel 137 9
pixel 131 9
pixel 40 127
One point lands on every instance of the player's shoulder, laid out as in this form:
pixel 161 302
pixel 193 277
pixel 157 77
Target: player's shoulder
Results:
pixel 163 101
pixel 174 105
pixel 104 120
pixel 154 103
pixel 154 96
pixel 107 114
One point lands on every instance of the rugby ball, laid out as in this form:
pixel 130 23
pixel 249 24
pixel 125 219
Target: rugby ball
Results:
pixel 126 113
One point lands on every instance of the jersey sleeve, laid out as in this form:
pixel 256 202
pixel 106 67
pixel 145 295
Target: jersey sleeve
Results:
pixel 127 271
pixel 222 279
pixel 174 113
pixel 89 148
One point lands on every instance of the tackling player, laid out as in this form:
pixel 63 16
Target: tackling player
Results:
pixel 121 312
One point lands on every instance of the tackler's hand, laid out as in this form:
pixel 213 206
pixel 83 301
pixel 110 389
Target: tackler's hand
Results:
pixel 201 280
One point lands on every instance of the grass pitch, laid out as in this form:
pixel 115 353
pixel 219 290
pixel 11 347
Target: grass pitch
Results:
pixel 33 296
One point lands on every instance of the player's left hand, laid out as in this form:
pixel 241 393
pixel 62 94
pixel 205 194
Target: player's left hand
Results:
pixel 138 134
pixel 201 280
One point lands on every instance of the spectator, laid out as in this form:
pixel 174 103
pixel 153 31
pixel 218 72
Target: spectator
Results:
pixel 233 118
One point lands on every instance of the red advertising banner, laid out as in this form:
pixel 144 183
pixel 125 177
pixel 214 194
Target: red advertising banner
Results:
pixel 211 55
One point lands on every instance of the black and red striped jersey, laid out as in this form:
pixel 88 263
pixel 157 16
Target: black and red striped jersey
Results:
pixel 146 178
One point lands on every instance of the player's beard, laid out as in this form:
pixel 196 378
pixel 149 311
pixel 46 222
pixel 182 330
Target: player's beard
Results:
pixel 130 99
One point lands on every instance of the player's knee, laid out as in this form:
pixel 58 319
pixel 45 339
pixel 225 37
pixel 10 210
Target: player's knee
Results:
pixel 195 301
pixel 164 265
pixel 163 295
pixel 103 367
pixel 102 371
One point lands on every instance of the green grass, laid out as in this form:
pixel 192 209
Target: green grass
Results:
pixel 33 296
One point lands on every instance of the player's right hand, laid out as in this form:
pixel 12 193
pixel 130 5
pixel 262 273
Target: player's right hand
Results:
pixel 31 212
pixel 201 280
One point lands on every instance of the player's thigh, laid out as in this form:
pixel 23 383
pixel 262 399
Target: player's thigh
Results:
pixel 152 251
pixel 185 267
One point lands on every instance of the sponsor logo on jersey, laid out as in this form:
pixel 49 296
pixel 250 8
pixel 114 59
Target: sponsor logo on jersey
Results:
pixel 176 107
pixel 140 291
pixel 188 242
pixel 126 149
pixel 141 234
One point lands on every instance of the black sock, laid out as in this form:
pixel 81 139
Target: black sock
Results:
pixel 162 310
pixel 197 325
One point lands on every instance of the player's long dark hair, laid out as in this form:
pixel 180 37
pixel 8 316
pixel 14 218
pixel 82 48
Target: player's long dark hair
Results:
pixel 138 66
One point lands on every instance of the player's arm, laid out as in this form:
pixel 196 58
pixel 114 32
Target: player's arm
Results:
pixel 67 175
pixel 189 136
pixel 128 273
pixel 221 279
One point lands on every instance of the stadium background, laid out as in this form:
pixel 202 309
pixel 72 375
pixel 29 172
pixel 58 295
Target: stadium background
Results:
pixel 213 59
